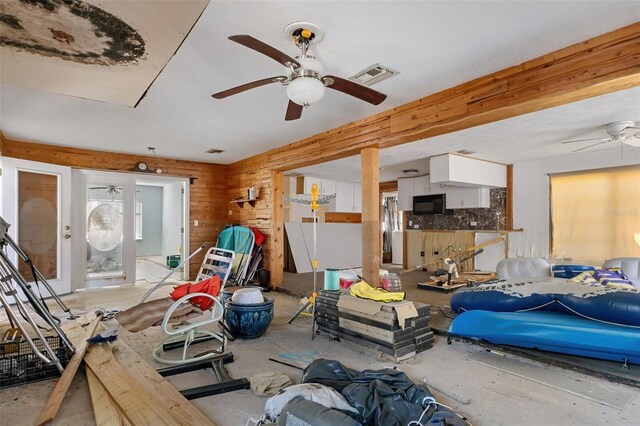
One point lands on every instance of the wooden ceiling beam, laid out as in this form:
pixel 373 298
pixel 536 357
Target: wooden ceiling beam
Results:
pixel 601 65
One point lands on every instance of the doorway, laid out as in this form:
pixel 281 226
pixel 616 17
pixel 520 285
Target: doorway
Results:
pixel 122 217
pixel 36 202
pixel 160 227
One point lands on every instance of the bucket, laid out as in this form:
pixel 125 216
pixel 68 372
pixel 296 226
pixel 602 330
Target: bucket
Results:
pixel 263 279
pixel 331 279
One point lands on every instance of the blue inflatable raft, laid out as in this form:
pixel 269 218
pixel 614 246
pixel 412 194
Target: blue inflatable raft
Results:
pixel 551 331
pixel 616 305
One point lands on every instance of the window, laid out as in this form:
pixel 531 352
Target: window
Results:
pixel 595 214
pixel 138 220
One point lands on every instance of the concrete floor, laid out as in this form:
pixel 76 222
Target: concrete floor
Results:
pixel 502 390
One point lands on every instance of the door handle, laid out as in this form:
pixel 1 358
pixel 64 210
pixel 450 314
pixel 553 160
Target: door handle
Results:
pixel 67 236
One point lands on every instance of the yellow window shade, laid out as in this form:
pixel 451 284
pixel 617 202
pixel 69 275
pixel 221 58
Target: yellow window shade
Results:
pixel 595 215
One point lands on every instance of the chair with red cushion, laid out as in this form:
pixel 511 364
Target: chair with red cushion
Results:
pixel 211 279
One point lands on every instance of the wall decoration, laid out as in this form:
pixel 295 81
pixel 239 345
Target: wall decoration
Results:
pixel 109 51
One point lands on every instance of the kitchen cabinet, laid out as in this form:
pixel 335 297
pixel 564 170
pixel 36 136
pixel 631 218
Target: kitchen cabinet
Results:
pixel 459 197
pixel 459 170
pixel 405 194
pixel 357 198
pixel 421 185
pixel 344 197
pixel 327 187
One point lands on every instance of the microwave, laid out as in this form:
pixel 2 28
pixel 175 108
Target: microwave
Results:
pixel 430 204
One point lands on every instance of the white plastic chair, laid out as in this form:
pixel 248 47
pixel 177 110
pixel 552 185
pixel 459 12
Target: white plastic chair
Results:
pixel 216 262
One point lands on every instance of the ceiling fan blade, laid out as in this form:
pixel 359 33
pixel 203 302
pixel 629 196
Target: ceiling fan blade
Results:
pixel 588 140
pixel 265 49
pixel 247 86
pixel 589 146
pixel 356 90
pixel 294 111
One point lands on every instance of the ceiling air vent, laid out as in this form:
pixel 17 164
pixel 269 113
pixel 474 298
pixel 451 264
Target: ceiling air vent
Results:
pixel 215 151
pixel 373 74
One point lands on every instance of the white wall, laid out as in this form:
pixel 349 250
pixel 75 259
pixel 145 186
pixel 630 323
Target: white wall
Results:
pixel 152 226
pixel 531 194
pixel 171 218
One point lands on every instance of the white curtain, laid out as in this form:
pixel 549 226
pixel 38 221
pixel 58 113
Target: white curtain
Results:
pixel 595 215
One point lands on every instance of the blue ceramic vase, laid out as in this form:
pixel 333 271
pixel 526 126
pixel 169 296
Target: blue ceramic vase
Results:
pixel 248 321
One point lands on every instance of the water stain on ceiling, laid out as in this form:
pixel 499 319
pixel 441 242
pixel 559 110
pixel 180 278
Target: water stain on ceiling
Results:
pixel 71 30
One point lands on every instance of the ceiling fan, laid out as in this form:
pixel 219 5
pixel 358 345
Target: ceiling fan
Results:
pixel 109 189
pixel 303 75
pixel 625 132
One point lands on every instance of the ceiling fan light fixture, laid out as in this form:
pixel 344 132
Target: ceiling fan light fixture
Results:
pixel 310 63
pixel 305 90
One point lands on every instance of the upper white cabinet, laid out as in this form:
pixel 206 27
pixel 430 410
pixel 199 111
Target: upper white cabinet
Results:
pixel 421 185
pixel 327 187
pixel 410 187
pixel 459 197
pixel 357 198
pixel 344 197
pixel 458 170
pixel 405 194
pixel 437 188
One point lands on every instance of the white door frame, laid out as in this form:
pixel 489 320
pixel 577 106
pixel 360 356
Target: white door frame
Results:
pixel 185 210
pixel 80 180
pixel 10 168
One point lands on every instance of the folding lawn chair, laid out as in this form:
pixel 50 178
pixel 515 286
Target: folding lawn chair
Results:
pixel 217 261
pixel 241 240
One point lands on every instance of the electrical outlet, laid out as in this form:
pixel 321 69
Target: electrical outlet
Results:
pixel 196 222
pixel 230 212
pixel 421 254
pixel 473 223
pixel 415 226
pixel 410 223
pixel 436 252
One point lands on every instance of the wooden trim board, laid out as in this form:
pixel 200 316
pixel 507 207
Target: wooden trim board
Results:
pixel 105 410
pixel 153 383
pixel 342 217
pixel 135 402
pixel 52 406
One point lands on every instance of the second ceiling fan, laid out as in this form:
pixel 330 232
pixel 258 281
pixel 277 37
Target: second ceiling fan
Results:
pixel 303 75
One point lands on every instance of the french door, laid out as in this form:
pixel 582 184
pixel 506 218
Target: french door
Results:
pixel 104 215
pixel 36 202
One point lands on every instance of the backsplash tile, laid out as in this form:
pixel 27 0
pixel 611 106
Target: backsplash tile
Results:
pixel 491 219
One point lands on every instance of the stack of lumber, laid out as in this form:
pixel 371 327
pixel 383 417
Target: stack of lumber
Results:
pixel 125 390
pixel 381 331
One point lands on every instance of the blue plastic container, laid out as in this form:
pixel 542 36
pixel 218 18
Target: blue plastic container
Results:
pixel 331 279
pixel 570 271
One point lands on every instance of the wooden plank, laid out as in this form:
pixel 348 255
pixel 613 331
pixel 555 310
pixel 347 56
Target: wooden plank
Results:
pixel 59 391
pixel 509 200
pixel 105 410
pixel 371 250
pixel 277 229
pixel 342 217
pixel 154 384
pixel 138 405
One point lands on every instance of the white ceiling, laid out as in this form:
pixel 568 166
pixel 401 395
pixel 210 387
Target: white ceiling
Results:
pixel 434 45
pixel 523 138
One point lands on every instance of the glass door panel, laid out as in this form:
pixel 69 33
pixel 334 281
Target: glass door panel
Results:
pixel 38 222
pixel 105 230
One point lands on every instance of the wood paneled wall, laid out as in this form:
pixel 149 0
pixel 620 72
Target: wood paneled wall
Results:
pixel 594 67
pixel 208 200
